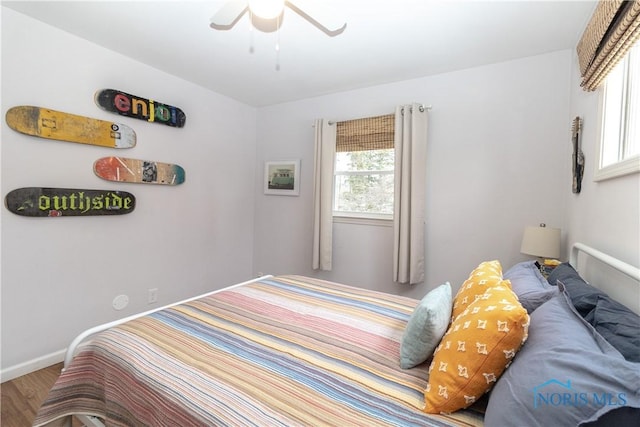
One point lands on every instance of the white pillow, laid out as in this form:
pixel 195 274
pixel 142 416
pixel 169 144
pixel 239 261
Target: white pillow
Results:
pixel 426 326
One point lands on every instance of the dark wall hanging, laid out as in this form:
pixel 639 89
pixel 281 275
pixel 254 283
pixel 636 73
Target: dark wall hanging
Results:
pixel 578 156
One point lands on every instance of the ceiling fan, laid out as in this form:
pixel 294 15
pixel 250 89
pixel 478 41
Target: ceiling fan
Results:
pixel 267 15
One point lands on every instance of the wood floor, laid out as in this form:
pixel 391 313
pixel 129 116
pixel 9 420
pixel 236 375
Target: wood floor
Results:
pixel 21 397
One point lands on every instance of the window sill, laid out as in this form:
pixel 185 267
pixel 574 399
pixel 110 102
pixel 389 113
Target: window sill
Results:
pixel 362 220
pixel 625 167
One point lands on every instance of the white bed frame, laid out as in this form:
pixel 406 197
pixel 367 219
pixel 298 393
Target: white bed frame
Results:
pixel 576 249
pixel 623 267
pixel 92 421
pixel 621 281
pixel 77 342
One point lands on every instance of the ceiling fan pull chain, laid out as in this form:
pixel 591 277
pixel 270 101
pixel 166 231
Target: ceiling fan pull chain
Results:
pixel 251 49
pixel 278 45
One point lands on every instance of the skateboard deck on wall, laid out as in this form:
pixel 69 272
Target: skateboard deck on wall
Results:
pixel 60 126
pixel 55 202
pixel 122 169
pixel 125 104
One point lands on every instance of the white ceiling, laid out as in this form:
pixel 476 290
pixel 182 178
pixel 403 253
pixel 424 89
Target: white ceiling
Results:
pixel 385 41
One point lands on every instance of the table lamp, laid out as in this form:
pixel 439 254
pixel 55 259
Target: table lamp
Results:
pixel 541 241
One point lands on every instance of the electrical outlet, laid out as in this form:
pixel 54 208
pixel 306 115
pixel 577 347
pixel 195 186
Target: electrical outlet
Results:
pixel 152 296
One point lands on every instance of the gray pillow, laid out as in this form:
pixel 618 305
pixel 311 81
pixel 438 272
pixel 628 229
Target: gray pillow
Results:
pixel 565 374
pixel 584 297
pixel 529 285
pixel 619 326
pixel 426 326
pixel 613 320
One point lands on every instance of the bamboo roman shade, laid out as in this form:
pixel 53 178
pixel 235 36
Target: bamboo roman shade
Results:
pixel 370 133
pixel 611 32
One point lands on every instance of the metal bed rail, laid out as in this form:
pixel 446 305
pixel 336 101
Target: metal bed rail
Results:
pixel 621 266
pixel 71 350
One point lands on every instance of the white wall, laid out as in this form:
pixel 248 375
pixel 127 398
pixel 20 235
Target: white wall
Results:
pixel 497 161
pixel 59 276
pixel 606 214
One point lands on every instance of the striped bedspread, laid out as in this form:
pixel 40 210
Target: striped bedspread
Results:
pixel 285 351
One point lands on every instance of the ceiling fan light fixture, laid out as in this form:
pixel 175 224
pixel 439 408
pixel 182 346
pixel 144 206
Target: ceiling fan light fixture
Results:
pixel 267 15
pixel 266 9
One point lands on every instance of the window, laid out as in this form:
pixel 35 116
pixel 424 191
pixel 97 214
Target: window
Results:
pixel 364 168
pixel 620 127
pixel 364 183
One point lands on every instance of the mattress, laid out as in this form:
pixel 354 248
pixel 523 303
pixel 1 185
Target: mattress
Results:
pixel 289 351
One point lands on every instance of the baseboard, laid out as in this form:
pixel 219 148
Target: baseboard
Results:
pixel 31 365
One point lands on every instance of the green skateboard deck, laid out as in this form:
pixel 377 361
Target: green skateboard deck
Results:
pixel 54 202
pixel 60 126
pixel 122 169
pixel 137 107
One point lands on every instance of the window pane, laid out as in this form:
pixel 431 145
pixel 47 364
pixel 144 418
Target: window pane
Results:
pixel 364 182
pixel 633 115
pixel 369 160
pixel 613 103
pixel 366 193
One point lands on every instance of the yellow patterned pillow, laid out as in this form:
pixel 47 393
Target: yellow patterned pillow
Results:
pixel 486 275
pixel 476 349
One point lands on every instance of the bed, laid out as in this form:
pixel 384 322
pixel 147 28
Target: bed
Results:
pixel 298 351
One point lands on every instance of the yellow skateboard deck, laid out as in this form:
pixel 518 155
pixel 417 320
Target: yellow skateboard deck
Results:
pixel 57 125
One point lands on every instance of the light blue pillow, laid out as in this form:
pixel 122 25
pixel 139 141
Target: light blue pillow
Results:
pixel 426 326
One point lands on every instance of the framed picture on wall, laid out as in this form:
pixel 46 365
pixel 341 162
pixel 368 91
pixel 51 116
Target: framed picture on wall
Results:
pixel 282 177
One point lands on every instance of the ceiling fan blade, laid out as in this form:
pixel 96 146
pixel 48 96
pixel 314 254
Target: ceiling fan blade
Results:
pixel 229 14
pixel 323 19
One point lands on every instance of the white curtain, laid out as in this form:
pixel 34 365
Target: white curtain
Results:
pixel 325 149
pixel 409 194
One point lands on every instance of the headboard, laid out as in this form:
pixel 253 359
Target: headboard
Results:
pixel 619 279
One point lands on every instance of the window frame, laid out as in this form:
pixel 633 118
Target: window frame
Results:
pixel 625 165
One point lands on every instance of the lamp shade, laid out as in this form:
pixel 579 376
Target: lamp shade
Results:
pixel 541 241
